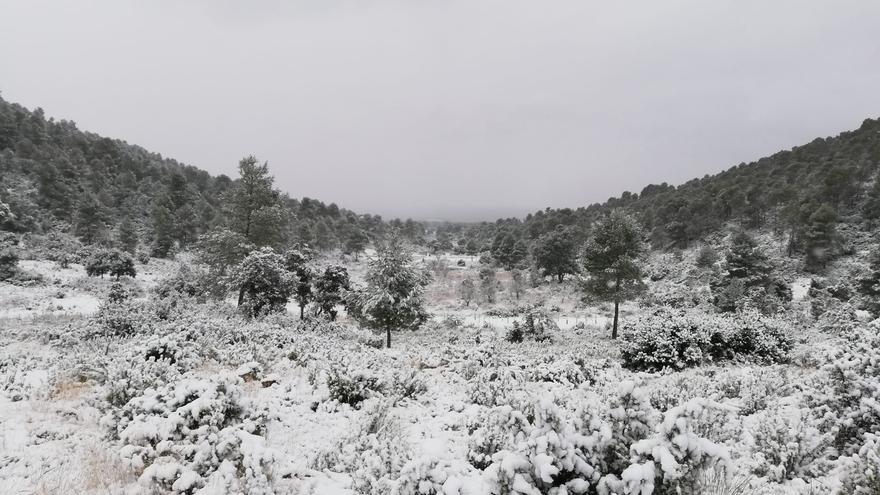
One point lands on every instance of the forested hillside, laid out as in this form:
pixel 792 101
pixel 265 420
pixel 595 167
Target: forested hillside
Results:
pixel 56 178
pixel 802 194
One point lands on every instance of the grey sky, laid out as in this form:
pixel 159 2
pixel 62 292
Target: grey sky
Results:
pixel 457 109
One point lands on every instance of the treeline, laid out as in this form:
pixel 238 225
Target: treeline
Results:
pixel 802 194
pixel 57 178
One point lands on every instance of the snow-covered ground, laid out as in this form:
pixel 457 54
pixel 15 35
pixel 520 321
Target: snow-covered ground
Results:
pixel 322 410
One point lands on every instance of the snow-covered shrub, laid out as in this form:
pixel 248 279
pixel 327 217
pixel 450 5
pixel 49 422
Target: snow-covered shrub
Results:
pixel 536 325
pixel 352 385
pixel 261 282
pixel 152 364
pixel 672 459
pixel 679 339
pixel 548 460
pixel 759 337
pixel 373 454
pixel 407 384
pixel 848 398
pixel 122 317
pixel 862 471
pixel 668 339
pixel 196 433
pixel 8 262
pixel 788 445
pixel 560 371
pixel 753 389
pixel 493 430
pixel 433 476
pixel 495 385
pixel 623 448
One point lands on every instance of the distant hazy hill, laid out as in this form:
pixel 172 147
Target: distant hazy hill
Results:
pixel 55 176
pixel 782 191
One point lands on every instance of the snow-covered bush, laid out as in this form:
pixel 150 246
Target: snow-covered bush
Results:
pixel 668 339
pixel 493 430
pixel 155 363
pixel 261 282
pixel 560 371
pixel 847 399
pixel 373 454
pixel 8 262
pixel 679 339
pixel 536 325
pixel 433 476
pixel 622 448
pixel 192 434
pixel 862 471
pixel 495 385
pixel 788 445
pixel 352 385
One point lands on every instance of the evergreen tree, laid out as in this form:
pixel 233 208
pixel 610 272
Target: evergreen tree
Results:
pixel 508 250
pixel 254 207
pixel 555 253
pixel 869 285
pixel 126 236
pixel 262 282
pixel 297 260
pixel 488 284
pixel 393 296
pixel 467 291
pixel 91 219
pixel 163 229
pixel 821 238
pixel 330 288
pixel 612 261
pixel 356 241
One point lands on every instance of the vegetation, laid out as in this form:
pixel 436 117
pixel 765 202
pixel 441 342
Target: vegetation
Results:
pixel 392 298
pixel 611 260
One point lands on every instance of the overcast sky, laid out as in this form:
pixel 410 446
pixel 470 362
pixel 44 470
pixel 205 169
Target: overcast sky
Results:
pixel 455 109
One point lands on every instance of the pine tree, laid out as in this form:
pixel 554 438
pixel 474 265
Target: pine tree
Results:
pixel 393 297
pixel 91 219
pixel 356 241
pixel 330 288
pixel 127 236
pixel 820 240
pixel 163 229
pixel 612 261
pixel 467 290
pixel 254 207
pixel 869 285
pixel 555 253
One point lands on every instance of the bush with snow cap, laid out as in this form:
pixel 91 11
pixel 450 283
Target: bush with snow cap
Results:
pixel 847 399
pixel 622 448
pixel 788 445
pixel 193 433
pixel 679 339
pixel 430 475
pixel 862 471
pixel 373 454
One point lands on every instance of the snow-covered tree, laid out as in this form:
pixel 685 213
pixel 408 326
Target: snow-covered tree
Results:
pixel 393 296
pixel 262 282
pixel 612 261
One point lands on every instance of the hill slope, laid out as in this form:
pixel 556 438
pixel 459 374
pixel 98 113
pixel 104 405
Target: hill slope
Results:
pixel 54 176
pixel 785 191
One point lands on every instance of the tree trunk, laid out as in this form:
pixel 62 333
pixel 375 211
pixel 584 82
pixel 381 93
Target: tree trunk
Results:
pixel 240 295
pixel 302 309
pixel 614 328
pixel 561 276
pixel 388 337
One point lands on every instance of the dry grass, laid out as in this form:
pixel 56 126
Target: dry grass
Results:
pixel 97 471
pixel 70 390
